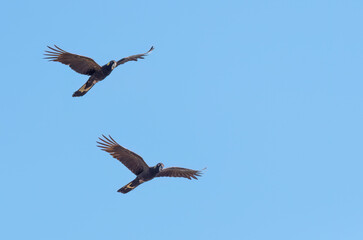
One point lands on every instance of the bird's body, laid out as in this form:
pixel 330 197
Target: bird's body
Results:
pixel 96 77
pixel 141 178
pixel 138 166
pixel 149 173
pixel 105 71
pixel 87 66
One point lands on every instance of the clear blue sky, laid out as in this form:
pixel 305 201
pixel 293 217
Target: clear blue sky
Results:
pixel 267 94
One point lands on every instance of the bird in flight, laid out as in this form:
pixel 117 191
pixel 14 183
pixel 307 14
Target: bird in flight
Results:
pixel 137 165
pixel 87 66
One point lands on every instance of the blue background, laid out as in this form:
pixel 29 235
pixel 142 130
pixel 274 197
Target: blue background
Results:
pixel 268 95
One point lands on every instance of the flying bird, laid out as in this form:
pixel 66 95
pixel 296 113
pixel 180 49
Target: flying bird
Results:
pixel 137 165
pixel 87 66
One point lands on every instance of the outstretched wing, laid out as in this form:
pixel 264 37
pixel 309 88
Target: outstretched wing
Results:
pixel 134 57
pixel 179 172
pixel 80 64
pixel 131 160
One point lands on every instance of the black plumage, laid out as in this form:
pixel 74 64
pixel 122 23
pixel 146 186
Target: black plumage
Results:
pixel 137 165
pixel 87 66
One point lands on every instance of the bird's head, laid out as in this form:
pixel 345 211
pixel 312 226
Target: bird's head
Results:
pixel 159 166
pixel 112 63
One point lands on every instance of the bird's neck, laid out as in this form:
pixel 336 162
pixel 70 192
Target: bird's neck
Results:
pixel 106 69
pixel 154 169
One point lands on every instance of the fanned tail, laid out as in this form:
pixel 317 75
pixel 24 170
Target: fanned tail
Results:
pixel 130 186
pixel 85 88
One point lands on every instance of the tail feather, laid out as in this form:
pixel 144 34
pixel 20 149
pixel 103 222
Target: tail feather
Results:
pixel 84 89
pixel 130 186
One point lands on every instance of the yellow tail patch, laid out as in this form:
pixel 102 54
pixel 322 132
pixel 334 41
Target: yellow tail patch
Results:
pixel 129 186
pixel 84 89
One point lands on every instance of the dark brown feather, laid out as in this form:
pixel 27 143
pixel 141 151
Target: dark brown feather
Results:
pixel 131 160
pixel 80 64
pixel 179 172
pixel 134 57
